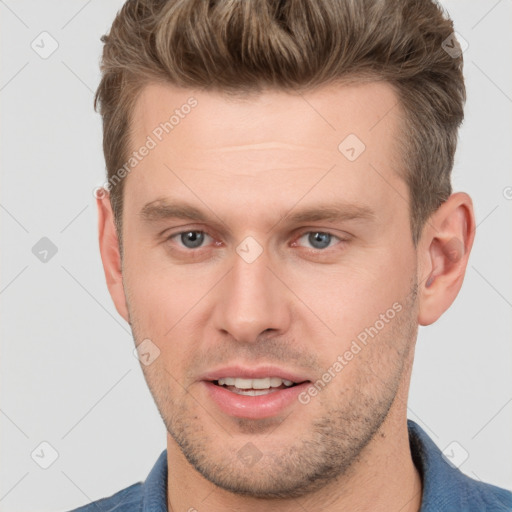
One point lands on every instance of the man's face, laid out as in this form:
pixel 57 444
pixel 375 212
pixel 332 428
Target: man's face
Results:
pixel 258 288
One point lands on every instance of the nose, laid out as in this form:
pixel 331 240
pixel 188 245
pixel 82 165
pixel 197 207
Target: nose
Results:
pixel 252 300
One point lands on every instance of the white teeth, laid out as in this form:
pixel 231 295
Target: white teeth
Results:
pixel 266 383
pixel 273 382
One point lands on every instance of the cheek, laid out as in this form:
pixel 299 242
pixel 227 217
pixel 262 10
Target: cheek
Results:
pixel 157 298
pixel 355 299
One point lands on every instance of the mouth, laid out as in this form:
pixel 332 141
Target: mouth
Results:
pixel 253 393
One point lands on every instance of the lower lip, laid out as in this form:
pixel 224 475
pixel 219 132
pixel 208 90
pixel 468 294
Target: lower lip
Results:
pixel 254 407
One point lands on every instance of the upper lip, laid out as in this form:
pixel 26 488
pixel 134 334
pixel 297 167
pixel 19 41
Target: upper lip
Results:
pixel 259 372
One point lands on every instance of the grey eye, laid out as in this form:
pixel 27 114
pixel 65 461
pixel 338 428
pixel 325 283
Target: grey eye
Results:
pixel 319 239
pixel 192 239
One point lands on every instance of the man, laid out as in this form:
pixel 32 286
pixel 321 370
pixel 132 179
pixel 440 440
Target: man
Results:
pixel 278 220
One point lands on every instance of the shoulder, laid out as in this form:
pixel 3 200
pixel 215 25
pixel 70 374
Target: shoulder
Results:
pixel 484 496
pixel 148 495
pixel 125 500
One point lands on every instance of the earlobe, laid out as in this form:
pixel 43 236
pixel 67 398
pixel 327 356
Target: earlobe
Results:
pixel 110 254
pixel 443 253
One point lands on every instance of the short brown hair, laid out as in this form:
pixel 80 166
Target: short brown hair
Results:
pixel 244 46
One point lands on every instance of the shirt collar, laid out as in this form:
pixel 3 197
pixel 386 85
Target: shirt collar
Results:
pixel 155 487
pixel 445 487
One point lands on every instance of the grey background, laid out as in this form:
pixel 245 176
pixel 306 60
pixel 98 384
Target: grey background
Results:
pixel 68 374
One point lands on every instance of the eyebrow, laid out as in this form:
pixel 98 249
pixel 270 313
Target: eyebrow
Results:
pixel 163 209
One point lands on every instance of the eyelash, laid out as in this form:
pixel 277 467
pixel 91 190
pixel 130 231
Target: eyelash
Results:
pixel 186 249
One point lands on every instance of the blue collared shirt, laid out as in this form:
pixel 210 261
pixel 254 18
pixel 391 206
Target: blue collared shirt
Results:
pixel 445 488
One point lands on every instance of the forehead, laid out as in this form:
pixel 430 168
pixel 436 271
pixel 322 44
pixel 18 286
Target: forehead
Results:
pixel 272 145
pixel 274 116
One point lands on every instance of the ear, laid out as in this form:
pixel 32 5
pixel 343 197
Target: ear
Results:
pixel 443 253
pixel 110 253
